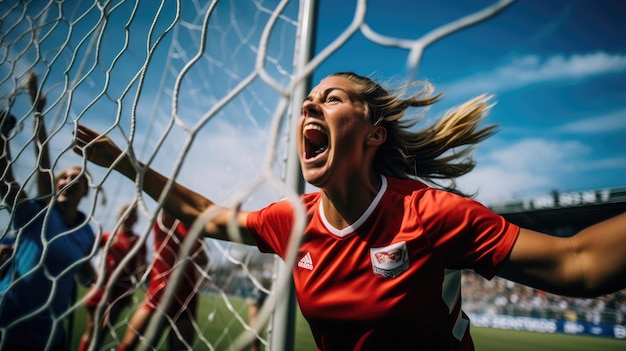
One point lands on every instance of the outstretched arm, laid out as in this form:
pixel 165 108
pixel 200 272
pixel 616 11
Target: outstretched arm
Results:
pixel 9 189
pixel 44 172
pixel 181 202
pixel 590 263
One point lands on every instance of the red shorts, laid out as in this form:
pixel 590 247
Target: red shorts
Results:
pixel 183 303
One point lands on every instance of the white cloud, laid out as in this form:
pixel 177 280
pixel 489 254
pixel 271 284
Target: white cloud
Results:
pixel 533 69
pixel 607 123
pixel 494 184
pixel 524 168
pixel 538 154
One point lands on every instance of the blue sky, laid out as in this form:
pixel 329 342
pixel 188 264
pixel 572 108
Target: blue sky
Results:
pixel 556 69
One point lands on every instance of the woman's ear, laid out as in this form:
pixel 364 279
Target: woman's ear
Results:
pixel 377 136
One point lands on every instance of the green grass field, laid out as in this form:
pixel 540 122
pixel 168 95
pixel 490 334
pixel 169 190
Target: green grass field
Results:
pixel 221 328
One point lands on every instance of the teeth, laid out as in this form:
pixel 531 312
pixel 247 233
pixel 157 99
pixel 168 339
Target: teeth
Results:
pixel 315 127
pixel 316 139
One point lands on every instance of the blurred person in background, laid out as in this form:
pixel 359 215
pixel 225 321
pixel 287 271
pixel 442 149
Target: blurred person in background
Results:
pixel 180 313
pixel 53 243
pixel 122 287
pixel 256 301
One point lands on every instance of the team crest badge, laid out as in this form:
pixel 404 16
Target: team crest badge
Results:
pixel 390 261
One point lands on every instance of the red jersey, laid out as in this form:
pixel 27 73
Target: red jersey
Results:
pixel 122 243
pixel 166 249
pixel 391 281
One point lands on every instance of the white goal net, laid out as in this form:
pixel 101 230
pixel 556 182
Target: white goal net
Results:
pixel 203 92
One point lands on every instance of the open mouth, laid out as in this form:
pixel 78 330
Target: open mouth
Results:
pixel 66 190
pixel 315 140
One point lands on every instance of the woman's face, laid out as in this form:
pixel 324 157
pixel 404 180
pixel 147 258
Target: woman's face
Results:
pixel 332 132
pixel 131 219
pixel 74 192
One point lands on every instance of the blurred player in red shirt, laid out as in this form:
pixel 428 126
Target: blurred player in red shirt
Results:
pixel 169 235
pixel 122 287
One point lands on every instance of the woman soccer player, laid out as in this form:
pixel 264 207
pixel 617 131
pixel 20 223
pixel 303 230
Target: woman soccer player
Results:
pixel 381 233
pixel 123 286
pixel 52 246
pixel 169 235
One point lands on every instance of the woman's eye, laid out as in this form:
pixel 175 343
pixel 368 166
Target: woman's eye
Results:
pixel 333 99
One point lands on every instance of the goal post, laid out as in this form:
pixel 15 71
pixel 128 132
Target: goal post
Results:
pixel 283 322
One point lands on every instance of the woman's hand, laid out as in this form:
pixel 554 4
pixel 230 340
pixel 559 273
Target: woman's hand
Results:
pixel 101 150
pixel 7 123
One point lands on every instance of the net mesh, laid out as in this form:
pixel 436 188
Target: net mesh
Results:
pixel 181 86
pixel 171 83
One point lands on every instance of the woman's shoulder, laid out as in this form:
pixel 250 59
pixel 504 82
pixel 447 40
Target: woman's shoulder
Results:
pixel 309 199
pixel 285 205
pixel 26 210
pixel 410 187
pixel 418 192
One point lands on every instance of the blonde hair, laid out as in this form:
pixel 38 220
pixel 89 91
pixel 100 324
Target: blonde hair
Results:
pixel 441 151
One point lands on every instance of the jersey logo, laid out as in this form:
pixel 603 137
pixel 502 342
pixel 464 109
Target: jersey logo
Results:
pixel 306 262
pixel 390 261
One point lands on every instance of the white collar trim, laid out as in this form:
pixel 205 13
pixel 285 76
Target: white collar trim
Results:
pixel 351 228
